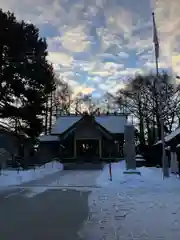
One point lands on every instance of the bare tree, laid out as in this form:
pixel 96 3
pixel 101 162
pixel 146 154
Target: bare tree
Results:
pixel 78 103
pixel 166 98
pixel 62 98
pixel 132 98
pixel 144 100
pixel 58 102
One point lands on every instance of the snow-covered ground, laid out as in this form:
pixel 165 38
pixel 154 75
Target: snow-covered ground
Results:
pixel 12 177
pixel 134 207
pixel 130 207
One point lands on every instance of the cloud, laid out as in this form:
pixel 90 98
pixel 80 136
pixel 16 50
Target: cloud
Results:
pixel 58 58
pixel 131 71
pixel 96 79
pixel 85 90
pixel 102 73
pixel 112 87
pixel 120 19
pixel 75 39
pixel 96 44
pixel 176 63
pixel 106 69
pixel 123 55
pixel 151 64
pixel 78 88
pixel 82 89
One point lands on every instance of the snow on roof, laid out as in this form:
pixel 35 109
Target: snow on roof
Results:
pixel 170 136
pixel 114 124
pixel 48 138
pixel 63 123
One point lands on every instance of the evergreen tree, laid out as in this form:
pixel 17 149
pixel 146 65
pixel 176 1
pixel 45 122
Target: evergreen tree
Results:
pixel 26 77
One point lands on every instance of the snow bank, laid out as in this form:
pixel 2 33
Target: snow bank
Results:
pixel 12 177
pixel 149 176
pixel 118 177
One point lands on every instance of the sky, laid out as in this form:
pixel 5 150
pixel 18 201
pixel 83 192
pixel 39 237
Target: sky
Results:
pixel 95 45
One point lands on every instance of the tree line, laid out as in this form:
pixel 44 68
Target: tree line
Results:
pixel 150 98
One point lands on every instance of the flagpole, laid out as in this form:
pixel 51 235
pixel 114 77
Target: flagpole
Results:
pixel 157 67
pixel 165 164
pixel 156 45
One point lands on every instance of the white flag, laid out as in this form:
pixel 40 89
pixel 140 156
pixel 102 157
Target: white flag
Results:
pixel 155 38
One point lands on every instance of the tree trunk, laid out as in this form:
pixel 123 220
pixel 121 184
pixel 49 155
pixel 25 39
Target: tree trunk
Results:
pixel 158 126
pixel 16 126
pixel 50 113
pixel 55 104
pixel 141 125
pixel 141 131
pixel 69 104
pixel 178 121
pixel 46 118
pixel 149 133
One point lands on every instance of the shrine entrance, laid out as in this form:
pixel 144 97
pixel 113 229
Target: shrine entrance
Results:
pixel 87 148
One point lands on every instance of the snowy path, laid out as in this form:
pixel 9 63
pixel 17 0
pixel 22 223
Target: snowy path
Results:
pixel 52 215
pixel 134 207
pixel 79 180
pixel 49 208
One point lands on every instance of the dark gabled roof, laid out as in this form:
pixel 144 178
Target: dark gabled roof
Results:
pixel 74 126
pixel 112 123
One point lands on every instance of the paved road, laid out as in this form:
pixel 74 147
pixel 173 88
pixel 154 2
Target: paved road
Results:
pixel 53 214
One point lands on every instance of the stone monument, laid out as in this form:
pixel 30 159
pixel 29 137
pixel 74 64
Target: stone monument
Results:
pixel 129 150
